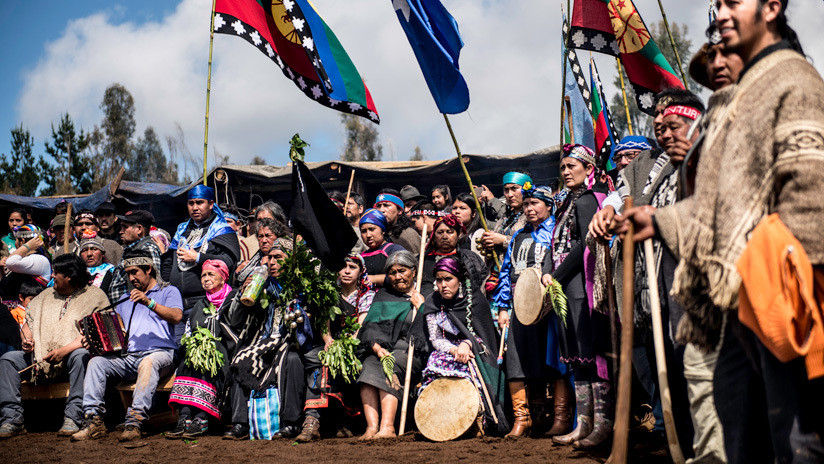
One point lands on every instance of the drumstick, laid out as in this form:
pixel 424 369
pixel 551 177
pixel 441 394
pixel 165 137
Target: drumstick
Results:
pixel 408 377
pixel 660 358
pixel 618 455
pixel 474 366
pixel 24 370
pixel 503 345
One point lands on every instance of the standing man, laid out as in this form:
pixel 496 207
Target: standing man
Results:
pixel 150 315
pixel 134 234
pixel 107 221
pixel 401 230
pixel 206 235
pixel 763 154
pixel 410 196
pixel 627 149
pixel 51 339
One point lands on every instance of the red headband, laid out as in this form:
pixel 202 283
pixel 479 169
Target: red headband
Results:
pixel 685 111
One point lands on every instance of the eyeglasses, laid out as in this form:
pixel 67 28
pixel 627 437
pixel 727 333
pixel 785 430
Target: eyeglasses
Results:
pixel 630 156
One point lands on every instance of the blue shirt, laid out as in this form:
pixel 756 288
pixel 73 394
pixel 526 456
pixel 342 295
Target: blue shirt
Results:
pixel 146 329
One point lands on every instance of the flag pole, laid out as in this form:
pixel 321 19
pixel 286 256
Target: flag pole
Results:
pixel 569 117
pixel 471 186
pixel 563 77
pixel 208 93
pixel 624 93
pixel 674 48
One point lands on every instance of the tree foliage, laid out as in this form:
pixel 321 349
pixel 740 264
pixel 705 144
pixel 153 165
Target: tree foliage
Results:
pixel 20 171
pixel 361 140
pixel 641 122
pixel 148 163
pixel 418 155
pixel 258 161
pixel 70 169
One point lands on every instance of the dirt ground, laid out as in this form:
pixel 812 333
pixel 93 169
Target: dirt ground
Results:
pixel 48 448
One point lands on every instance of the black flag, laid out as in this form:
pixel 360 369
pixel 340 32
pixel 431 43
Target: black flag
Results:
pixel 322 225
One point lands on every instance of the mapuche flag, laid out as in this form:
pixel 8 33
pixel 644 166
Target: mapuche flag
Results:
pixel 647 69
pixel 577 90
pixel 605 133
pixel 293 35
pixel 318 220
pixel 435 39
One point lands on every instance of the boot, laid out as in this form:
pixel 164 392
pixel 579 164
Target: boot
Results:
pixel 93 428
pixel 601 432
pixel 520 408
pixel 538 407
pixel 562 422
pixel 310 431
pixel 583 410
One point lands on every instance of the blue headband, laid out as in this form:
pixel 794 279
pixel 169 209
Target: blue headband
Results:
pixel 541 192
pixel 373 216
pixel 201 191
pixel 390 198
pixel 231 216
pixel 633 142
pixel 516 178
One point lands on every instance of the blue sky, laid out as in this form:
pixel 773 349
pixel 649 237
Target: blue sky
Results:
pixel 60 56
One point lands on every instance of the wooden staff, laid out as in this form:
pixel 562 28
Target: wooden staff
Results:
pixel 613 326
pixel 473 366
pixel 621 435
pixel 569 117
pixel 503 345
pixel 410 352
pixel 674 48
pixel 471 187
pixel 67 230
pixel 208 93
pixel 660 358
pixel 348 192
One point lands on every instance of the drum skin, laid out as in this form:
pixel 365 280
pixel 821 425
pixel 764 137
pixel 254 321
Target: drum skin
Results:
pixel 447 408
pixel 528 300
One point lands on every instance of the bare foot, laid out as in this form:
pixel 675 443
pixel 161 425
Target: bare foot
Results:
pixel 385 433
pixel 368 435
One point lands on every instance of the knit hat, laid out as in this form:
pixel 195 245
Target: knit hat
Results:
pixel 90 239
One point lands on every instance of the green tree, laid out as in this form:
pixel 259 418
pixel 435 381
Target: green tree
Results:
pixel 418 155
pixel 258 161
pixel 20 176
pixel 361 140
pixel 70 169
pixel 642 122
pixel 111 143
pixel 148 163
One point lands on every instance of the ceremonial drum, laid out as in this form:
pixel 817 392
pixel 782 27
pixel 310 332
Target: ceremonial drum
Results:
pixel 529 302
pixel 447 408
pixel 104 332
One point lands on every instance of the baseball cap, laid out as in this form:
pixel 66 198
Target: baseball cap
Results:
pixel 138 216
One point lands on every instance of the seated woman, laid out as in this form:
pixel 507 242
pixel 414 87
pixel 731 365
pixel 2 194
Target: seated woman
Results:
pixel 29 260
pixel 374 228
pixel 355 287
pixel 197 394
pixel 445 241
pixel 267 231
pixel 461 331
pixel 389 327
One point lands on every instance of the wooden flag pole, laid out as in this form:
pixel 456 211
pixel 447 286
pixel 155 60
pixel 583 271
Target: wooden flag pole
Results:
pixel 569 118
pixel 348 192
pixel 471 186
pixel 660 357
pixel 564 73
pixel 624 93
pixel 208 94
pixel 407 380
pixel 674 48
pixel 620 439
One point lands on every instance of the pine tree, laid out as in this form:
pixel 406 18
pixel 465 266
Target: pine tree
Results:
pixel 70 169
pixel 20 173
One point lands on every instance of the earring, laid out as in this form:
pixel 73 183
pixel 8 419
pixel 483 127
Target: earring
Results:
pixel 460 290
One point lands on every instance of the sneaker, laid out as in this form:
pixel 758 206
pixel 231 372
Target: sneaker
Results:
pixel 69 428
pixel 9 430
pixel 93 428
pixel 237 432
pixel 130 432
pixel 197 428
pixel 179 429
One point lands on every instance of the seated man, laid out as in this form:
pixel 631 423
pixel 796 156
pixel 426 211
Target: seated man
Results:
pixel 93 253
pixel 51 344
pixel 149 315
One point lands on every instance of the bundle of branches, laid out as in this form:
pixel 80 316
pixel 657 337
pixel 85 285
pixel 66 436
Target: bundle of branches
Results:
pixel 558 299
pixel 303 279
pixel 201 351
pixel 340 356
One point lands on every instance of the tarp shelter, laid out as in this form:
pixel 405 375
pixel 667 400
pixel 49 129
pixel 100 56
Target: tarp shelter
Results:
pixel 248 186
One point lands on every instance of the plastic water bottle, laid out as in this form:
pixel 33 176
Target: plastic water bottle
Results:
pixel 252 291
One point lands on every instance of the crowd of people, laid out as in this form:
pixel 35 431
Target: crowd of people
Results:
pixel 728 193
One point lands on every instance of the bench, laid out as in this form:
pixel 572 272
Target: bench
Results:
pixel 126 389
pixel 49 391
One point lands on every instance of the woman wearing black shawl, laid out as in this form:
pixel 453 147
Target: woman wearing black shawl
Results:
pixel 461 331
pixel 390 325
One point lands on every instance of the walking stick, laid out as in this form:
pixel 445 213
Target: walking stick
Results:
pixel 473 366
pixel 613 326
pixel 621 436
pixel 408 377
pixel 67 230
pixel 503 345
pixel 348 192
pixel 660 359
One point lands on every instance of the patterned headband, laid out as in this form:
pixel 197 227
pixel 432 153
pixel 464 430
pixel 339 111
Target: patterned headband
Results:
pixel 681 110
pixel 425 212
pixel 142 261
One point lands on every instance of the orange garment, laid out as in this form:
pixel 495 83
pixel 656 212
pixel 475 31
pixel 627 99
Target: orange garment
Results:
pixel 19 314
pixel 781 295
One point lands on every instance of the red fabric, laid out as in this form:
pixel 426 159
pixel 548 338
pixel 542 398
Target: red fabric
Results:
pixel 591 14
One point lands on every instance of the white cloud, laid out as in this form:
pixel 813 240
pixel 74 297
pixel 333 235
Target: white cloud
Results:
pixel 510 61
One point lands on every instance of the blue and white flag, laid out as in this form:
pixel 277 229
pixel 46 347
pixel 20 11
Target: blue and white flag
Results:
pixel 434 37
